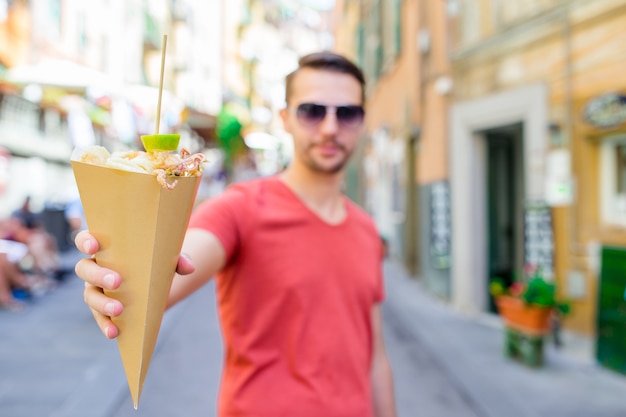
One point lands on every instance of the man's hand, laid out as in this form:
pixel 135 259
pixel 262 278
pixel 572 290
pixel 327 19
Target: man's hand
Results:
pixel 97 279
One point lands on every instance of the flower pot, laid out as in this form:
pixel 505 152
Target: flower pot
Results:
pixel 529 319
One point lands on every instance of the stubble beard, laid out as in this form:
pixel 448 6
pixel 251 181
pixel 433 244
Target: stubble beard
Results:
pixel 316 167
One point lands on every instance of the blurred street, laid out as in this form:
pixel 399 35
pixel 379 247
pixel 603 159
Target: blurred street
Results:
pixel 492 161
pixel 55 363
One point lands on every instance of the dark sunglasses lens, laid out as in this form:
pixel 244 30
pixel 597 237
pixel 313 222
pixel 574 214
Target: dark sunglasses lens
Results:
pixel 350 115
pixel 311 113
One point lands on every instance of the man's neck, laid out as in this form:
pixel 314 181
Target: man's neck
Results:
pixel 319 191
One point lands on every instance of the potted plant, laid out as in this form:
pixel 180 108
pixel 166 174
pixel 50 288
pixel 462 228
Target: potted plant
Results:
pixel 529 309
pixel 529 304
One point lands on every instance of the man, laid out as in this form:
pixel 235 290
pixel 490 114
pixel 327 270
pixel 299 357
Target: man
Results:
pixel 299 277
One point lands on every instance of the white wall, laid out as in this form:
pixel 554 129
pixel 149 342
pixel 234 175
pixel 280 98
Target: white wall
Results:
pixel 527 105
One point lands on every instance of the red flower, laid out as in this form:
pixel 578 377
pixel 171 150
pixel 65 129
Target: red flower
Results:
pixel 517 289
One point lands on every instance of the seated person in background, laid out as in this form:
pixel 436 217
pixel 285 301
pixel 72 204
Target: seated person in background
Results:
pixel 11 277
pixel 26 216
pixel 25 227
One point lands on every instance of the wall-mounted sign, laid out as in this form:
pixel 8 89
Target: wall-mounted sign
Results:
pixel 559 184
pixel 440 221
pixel 607 110
pixel 538 238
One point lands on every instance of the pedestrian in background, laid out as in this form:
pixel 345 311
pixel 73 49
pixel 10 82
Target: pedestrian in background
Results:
pixel 298 268
pixel 25 226
pixel 27 216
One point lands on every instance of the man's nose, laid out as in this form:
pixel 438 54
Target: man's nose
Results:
pixel 330 124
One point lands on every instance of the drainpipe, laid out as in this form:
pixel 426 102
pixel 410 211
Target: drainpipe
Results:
pixel 569 127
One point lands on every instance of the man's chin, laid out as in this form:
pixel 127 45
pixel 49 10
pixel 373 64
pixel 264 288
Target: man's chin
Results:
pixel 329 169
pixel 330 166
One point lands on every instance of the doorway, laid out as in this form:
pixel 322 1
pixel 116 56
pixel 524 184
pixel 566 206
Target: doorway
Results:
pixel 411 232
pixel 504 206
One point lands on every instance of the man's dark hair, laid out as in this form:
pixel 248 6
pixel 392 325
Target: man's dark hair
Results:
pixel 327 61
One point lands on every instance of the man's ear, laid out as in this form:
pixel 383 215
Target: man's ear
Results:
pixel 284 115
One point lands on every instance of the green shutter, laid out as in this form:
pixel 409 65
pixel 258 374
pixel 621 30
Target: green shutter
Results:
pixel 397 44
pixel 611 342
pixel 361 45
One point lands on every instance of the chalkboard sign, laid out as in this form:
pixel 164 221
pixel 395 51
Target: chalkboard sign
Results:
pixel 440 223
pixel 539 238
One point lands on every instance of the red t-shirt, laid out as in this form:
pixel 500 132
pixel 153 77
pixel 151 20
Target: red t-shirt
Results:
pixel 295 301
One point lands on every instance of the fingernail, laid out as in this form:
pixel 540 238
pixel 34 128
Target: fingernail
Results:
pixel 109 309
pixel 87 246
pixel 109 281
pixel 108 331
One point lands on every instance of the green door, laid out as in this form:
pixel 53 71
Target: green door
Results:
pixel 611 342
pixel 505 190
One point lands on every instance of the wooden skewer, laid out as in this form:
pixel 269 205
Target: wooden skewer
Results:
pixel 158 115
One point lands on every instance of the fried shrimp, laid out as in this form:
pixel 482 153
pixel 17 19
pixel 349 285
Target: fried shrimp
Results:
pixel 165 166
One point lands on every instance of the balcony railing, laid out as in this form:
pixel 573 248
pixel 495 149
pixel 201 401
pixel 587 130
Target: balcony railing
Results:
pixel 28 129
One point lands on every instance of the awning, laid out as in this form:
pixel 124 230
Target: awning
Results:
pixel 201 123
pixel 59 73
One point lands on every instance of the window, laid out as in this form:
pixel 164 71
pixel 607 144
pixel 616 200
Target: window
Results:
pixel 361 45
pixel 397 10
pixel 470 23
pixel 4 10
pixel 374 40
pixel 81 28
pixel 54 18
pixel 391 29
pixel 620 154
pixel 613 180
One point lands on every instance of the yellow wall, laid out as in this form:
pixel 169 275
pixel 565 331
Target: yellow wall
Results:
pixel 406 94
pixel 576 63
pixel 397 90
pixel 15 36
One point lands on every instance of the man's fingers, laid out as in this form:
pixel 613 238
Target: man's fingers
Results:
pixel 105 324
pixel 86 243
pixel 89 271
pixel 96 300
pixel 96 279
pixel 103 308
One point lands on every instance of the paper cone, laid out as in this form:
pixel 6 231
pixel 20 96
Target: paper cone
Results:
pixel 140 227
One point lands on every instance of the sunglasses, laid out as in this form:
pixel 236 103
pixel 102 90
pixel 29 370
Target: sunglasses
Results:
pixel 311 114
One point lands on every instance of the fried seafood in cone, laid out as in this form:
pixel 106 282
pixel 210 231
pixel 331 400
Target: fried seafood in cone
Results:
pixel 137 205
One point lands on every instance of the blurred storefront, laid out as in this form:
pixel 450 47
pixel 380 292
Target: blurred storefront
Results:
pixel 41 123
pixel 93 68
pixel 527 167
pixel 539 114
pixel 77 74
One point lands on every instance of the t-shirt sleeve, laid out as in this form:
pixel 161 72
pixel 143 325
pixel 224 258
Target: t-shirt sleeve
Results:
pixel 222 216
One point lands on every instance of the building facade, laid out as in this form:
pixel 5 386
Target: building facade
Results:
pixel 402 48
pixel 536 114
pixel 511 124
pixel 74 74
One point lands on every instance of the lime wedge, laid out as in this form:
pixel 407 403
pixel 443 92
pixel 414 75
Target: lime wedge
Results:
pixel 162 142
